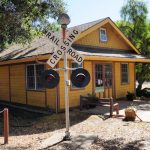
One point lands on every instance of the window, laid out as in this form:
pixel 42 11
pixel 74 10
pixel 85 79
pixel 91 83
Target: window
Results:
pixel 34 72
pixel 75 65
pixel 103 75
pixel 108 75
pixel 98 75
pixel 124 73
pixel 103 35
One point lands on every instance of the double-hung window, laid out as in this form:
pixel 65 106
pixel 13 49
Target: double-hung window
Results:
pixel 103 35
pixel 33 76
pixel 75 65
pixel 124 73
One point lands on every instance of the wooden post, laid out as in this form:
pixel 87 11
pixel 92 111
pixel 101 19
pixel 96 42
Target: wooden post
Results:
pixel 6 126
pixel 111 107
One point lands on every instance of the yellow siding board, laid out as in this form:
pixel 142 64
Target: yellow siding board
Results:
pixel 74 94
pixel 121 89
pixel 61 86
pixel 36 98
pixel 108 93
pixel 115 41
pixel 18 86
pixel 4 83
pixel 51 95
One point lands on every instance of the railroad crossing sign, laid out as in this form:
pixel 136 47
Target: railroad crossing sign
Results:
pixel 64 46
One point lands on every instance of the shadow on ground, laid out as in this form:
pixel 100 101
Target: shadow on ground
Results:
pixel 27 123
pixel 139 104
pixel 104 111
pixel 119 144
pixel 114 144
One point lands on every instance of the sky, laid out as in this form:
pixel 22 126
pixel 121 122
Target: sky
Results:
pixel 83 11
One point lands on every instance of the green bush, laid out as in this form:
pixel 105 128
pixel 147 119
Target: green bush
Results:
pixel 92 97
pixel 130 96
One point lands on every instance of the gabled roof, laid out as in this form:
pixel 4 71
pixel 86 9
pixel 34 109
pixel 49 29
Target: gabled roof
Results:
pixel 87 28
pixel 42 46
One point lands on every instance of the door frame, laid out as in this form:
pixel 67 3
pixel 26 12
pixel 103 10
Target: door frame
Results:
pixel 113 79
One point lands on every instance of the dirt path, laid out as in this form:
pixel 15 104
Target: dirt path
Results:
pixel 27 130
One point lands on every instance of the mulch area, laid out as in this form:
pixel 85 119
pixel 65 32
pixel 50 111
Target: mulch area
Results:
pixel 27 130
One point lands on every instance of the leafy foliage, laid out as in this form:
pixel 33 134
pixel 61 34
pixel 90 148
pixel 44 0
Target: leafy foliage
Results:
pixel 136 27
pixel 130 96
pixel 21 20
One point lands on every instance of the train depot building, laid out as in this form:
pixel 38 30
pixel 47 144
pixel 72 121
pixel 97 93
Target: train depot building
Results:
pixel 109 57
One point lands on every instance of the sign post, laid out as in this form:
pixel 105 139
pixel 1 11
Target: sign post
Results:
pixel 63 49
pixel 67 133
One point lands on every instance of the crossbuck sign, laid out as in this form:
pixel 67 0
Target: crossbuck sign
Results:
pixel 64 46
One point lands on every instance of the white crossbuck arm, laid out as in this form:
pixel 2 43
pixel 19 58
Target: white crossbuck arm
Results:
pixel 64 46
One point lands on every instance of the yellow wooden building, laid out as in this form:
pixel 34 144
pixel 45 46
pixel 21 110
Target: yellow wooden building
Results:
pixel 109 57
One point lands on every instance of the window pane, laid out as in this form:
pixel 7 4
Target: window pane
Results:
pixel 124 73
pixel 30 77
pixel 39 71
pixel 31 83
pixel 108 75
pixel 98 75
pixel 103 35
pixel 30 70
pixel 75 65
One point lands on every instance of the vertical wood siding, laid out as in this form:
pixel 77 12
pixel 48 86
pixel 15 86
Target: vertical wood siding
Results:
pixel 51 95
pixel 4 83
pixel 74 94
pixel 13 87
pixel 121 89
pixel 17 78
pixel 36 98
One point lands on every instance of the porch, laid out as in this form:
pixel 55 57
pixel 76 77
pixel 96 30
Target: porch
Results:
pixel 142 107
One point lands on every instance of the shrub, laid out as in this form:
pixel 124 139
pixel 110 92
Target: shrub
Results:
pixel 92 97
pixel 130 96
pixel 138 92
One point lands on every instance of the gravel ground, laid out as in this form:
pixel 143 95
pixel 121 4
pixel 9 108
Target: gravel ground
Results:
pixel 27 130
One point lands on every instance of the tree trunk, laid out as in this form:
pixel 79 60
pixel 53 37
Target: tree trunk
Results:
pixel 139 86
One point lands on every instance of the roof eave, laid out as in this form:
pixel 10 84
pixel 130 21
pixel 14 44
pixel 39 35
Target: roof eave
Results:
pixel 117 59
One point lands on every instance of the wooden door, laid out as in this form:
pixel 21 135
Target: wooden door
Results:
pixel 103 80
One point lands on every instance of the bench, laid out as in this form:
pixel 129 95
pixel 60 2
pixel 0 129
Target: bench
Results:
pixel 86 101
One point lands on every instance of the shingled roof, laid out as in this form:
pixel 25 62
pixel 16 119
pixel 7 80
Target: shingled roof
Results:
pixel 42 46
pixel 105 52
pixel 39 46
pixel 85 26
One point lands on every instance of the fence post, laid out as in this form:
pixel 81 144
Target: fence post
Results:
pixel 6 125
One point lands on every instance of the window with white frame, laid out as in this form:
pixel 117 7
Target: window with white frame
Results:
pixel 33 74
pixel 124 73
pixel 75 65
pixel 103 35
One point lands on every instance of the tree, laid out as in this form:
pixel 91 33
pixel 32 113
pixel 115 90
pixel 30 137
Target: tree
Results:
pixel 136 27
pixel 21 20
